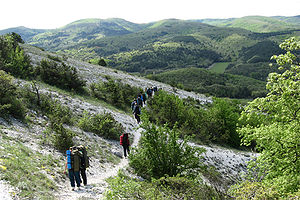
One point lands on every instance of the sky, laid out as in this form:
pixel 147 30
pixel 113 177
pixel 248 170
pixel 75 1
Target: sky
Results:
pixel 51 14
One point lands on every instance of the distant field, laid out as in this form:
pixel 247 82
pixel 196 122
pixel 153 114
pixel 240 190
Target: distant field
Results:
pixel 219 67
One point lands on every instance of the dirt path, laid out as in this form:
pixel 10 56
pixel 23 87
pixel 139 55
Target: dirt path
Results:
pixel 96 184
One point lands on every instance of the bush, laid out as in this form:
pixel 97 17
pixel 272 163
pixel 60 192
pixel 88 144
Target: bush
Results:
pixel 103 125
pixel 114 92
pixel 60 75
pixel 222 120
pixel 61 137
pixel 165 188
pixel 216 122
pixel 162 153
pixel 12 58
pixel 253 190
pixel 10 103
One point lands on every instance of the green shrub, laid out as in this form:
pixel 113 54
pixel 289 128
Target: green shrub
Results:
pixel 221 122
pixel 167 108
pixel 60 75
pixel 115 93
pixel 162 153
pixel 10 103
pixel 165 188
pixel 12 58
pixel 61 137
pixel 98 61
pixel 253 190
pixel 103 125
pixel 216 122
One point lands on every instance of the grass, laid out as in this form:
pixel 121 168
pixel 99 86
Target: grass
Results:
pixel 219 67
pixel 32 173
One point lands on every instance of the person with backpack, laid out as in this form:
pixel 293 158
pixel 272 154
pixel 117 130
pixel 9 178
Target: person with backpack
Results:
pixel 137 112
pixel 73 166
pixel 133 104
pixel 144 95
pixel 139 100
pixel 84 163
pixel 124 141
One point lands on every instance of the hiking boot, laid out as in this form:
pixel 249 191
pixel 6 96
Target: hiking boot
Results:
pixel 73 188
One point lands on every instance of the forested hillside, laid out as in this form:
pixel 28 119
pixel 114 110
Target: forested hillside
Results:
pixel 205 82
pixel 258 24
pixel 247 44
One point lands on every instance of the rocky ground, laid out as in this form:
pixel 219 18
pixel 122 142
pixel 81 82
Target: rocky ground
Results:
pixel 230 163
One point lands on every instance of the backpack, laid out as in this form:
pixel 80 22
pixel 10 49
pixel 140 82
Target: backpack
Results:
pixel 137 110
pixel 124 140
pixel 76 159
pixel 132 104
pixel 139 101
pixel 85 163
pixel 69 159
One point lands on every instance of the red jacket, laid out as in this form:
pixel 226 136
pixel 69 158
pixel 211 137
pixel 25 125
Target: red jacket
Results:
pixel 123 142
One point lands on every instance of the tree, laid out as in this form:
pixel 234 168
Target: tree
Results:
pixel 162 153
pixel 273 123
pixel 102 62
pixel 10 104
pixel 221 122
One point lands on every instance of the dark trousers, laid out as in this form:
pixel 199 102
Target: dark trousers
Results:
pixel 83 175
pixel 74 176
pixel 126 148
pixel 137 117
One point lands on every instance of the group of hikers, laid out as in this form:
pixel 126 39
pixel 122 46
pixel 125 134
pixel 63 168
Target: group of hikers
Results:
pixel 140 101
pixel 77 159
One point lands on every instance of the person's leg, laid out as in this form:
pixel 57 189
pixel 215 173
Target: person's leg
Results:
pixel 71 177
pixel 128 151
pixel 138 118
pixel 124 148
pixel 77 178
pixel 83 175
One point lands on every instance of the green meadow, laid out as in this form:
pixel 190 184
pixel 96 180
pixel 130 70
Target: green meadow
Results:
pixel 219 67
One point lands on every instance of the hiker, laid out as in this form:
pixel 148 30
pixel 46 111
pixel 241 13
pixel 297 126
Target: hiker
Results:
pixel 133 104
pixel 149 92
pixel 73 165
pixel 139 100
pixel 144 95
pixel 124 141
pixel 84 163
pixel 137 112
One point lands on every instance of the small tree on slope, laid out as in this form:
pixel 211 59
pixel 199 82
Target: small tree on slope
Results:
pixel 161 153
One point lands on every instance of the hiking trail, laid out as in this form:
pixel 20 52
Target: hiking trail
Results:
pixel 96 184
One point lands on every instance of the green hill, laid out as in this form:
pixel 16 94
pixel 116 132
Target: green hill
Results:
pixel 81 31
pixel 258 24
pixel 206 82
pixel 26 33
